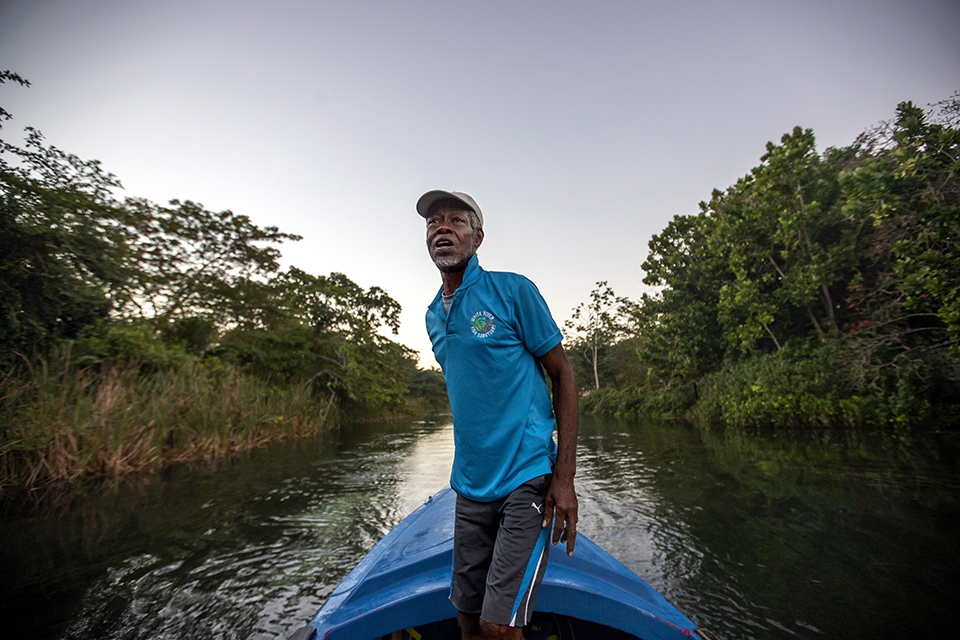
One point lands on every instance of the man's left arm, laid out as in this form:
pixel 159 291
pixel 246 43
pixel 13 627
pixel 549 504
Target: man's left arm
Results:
pixel 561 496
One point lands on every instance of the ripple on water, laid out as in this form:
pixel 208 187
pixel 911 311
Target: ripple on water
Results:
pixel 748 542
pixel 271 552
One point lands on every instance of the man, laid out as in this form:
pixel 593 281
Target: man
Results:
pixel 493 336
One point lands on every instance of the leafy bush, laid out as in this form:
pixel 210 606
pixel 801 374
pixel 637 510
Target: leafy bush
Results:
pixel 650 401
pixel 798 387
pixel 129 343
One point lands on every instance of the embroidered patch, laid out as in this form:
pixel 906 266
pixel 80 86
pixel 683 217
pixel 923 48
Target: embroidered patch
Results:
pixel 482 324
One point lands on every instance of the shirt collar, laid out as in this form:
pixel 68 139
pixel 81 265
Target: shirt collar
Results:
pixel 471 275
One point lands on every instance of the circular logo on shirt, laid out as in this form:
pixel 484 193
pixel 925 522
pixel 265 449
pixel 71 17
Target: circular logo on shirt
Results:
pixel 482 324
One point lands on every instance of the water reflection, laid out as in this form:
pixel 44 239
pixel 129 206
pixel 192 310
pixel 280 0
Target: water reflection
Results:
pixel 248 549
pixel 768 536
pixel 758 536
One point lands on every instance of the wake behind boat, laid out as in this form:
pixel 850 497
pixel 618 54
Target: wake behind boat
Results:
pixel 400 590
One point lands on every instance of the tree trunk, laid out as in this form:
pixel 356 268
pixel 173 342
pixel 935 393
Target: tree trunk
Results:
pixel 596 376
pixel 816 324
pixel 828 307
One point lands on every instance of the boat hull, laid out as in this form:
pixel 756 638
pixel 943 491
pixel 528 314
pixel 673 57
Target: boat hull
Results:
pixel 404 583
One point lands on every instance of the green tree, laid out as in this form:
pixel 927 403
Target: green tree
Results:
pixel 336 304
pixel 681 335
pixel 928 261
pixel 845 262
pixel 195 262
pixel 326 331
pixel 65 243
pixel 785 243
pixel 597 325
pixel 903 297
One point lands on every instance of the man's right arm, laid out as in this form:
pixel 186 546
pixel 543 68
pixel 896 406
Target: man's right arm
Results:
pixel 562 496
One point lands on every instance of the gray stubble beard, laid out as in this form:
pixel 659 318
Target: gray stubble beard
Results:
pixel 450 263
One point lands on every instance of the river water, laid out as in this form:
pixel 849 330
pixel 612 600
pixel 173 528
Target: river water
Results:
pixel 826 535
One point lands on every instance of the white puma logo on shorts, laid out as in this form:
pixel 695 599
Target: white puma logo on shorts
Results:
pixel 538 507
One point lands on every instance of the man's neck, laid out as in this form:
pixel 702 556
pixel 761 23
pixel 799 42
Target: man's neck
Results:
pixel 451 281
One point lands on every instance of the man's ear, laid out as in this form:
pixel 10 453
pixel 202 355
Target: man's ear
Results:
pixel 479 238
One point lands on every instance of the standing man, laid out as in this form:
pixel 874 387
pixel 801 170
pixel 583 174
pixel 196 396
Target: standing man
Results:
pixel 494 338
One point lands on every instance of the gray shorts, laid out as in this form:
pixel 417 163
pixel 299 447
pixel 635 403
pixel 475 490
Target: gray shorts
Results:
pixel 500 553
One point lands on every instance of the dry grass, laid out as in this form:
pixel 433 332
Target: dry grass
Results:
pixel 63 423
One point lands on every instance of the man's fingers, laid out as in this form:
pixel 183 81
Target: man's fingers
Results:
pixel 563 513
pixel 571 535
pixel 565 530
pixel 558 526
pixel 547 512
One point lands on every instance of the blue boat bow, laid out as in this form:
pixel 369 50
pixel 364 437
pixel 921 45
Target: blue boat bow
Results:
pixel 404 582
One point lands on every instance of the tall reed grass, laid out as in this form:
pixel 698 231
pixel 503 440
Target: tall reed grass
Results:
pixel 60 422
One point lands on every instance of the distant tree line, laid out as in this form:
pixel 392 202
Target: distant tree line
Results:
pixel 95 286
pixel 819 290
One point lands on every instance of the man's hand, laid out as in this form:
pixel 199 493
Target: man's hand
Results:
pixel 562 497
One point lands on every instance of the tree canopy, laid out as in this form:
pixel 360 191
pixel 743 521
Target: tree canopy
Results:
pixel 126 278
pixel 838 269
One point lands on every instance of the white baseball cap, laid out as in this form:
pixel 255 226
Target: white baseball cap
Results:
pixel 426 201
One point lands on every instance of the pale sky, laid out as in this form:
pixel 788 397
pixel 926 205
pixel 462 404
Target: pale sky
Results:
pixel 581 128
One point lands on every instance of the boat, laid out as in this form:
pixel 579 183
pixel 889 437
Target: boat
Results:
pixel 400 590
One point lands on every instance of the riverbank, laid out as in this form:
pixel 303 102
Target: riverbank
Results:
pixel 786 391
pixel 74 424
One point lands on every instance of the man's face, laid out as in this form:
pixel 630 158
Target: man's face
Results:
pixel 451 238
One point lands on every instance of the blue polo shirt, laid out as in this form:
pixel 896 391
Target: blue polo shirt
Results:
pixel 487 346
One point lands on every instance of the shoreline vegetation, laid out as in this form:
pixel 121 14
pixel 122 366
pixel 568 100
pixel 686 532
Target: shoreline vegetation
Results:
pixel 819 291
pixel 70 424
pixel 65 423
pixel 134 335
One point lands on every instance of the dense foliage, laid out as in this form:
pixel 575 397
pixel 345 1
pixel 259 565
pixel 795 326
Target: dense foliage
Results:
pixel 820 289
pixel 102 288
